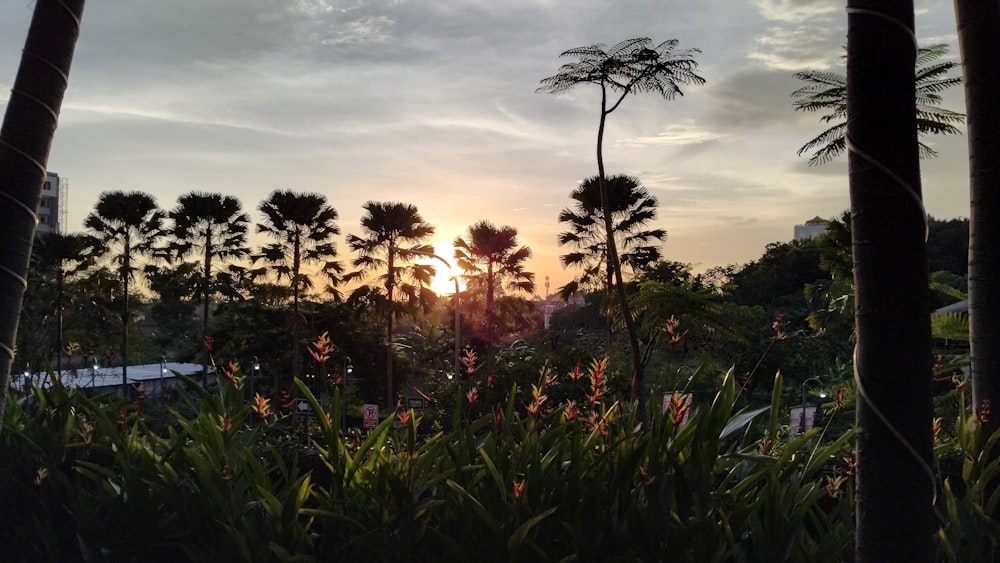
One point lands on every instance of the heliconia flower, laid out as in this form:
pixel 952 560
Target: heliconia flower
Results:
pixel 403 417
pixel 518 489
pixel 209 343
pixel 848 466
pixel 958 380
pixel 766 445
pixel 577 373
pixel 224 423
pixel 570 411
pixel 41 475
pixel 597 382
pixel 678 407
pixel 321 348
pixel 489 381
pixel 546 375
pixel 50 412
pixel 599 423
pixel 472 394
pixel 329 419
pixel 286 400
pixel 232 374
pixel 262 406
pixel 498 413
pixel 469 362
pixel 833 484
pixel 937 427
pixel 778 327
pixel 840 395
pixel 983 412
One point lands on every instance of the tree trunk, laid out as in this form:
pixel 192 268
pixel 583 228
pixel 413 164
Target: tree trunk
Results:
pixel 389 286
pixel 206 294
pixel 978 24
pixel 893 361
pixel 638 384
pixel 28 127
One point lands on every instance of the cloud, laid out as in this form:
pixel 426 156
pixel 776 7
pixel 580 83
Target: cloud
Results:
pixel 796 11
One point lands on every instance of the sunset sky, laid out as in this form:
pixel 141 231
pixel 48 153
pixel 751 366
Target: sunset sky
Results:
pixel 432 102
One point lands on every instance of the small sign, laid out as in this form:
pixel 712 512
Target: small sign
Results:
pixel 370 413
pixel 303 407
pixel 797 425
pixel 415 402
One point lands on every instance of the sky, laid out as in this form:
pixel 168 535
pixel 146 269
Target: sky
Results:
pixel 434 103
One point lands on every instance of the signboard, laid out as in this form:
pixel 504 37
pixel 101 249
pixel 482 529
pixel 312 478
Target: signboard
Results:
pixel 370 413
pixel 303 407
pixel 415 402
pixel 796 425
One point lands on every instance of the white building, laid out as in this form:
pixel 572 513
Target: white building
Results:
pixel 811 228
pixel 52 207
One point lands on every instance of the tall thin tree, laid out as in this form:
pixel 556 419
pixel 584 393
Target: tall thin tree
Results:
pixel 128 226
pixel 888 225
pixel 632 66
pixel 213 227
pixel 29 124
pixel 393 237
pixel 301 227
pixel 979 42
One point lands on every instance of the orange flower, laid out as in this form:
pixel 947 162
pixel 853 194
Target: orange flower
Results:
pixel 321 348
pixel 262 406
pixel 518 489
pixel 232 374
pixel 469 362
pixel 537 400
pixel 403 417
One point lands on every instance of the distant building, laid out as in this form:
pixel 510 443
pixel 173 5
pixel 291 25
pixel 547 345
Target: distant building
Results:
pixel 52 207
pixel 811 228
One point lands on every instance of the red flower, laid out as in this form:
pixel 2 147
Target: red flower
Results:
pixel 571 411
pixel 938 426
pixel 471 395
pixel 321 349
pixel 489 381
pixel 224 423
pixel 778 329
pixel 498 413
pixel 518 489
pixel 403 417
pixel 209 343
pixel 576 374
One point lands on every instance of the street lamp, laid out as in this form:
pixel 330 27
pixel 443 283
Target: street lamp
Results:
pixel 348 370
pixel 802 417
pixel 163 372
pixel 253 378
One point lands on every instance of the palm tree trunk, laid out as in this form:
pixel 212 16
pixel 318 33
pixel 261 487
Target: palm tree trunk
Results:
pixel 638 383
pixel 206 294
pixel 28 127
pixel 979 43
pixel 893 360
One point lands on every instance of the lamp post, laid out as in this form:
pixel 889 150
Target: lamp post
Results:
pixel 253 378
pixel 348 370
pixel 802 417
pixel 163 372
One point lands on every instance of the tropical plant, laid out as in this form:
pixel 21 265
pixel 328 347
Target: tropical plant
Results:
pixel 888 228
pixel 212 227
pixel 29 124
pixel 301 226
pixel 57 260
pixel 493 263
pixel 632 66
pixel 128 225
pixel 632 208
pixel 394 236
pixel 827 92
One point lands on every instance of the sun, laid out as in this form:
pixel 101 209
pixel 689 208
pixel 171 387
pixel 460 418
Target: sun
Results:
pixel 443 282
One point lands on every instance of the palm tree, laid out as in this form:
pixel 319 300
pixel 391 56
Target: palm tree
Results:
pixel 302 226
pixel 127 225
pixel 632 208
pixel 632 66
pixel 979 43
pixel 895 484
pixel 394 235
pixel 214 227
pixel 827 92
pixel 29 124
pixel 493 263
pixel 58 259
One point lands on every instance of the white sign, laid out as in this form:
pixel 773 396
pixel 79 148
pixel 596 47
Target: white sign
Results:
pixel 370 416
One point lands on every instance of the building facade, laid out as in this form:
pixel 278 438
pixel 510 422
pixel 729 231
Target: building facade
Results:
pixel 52 206
pixel 811 228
